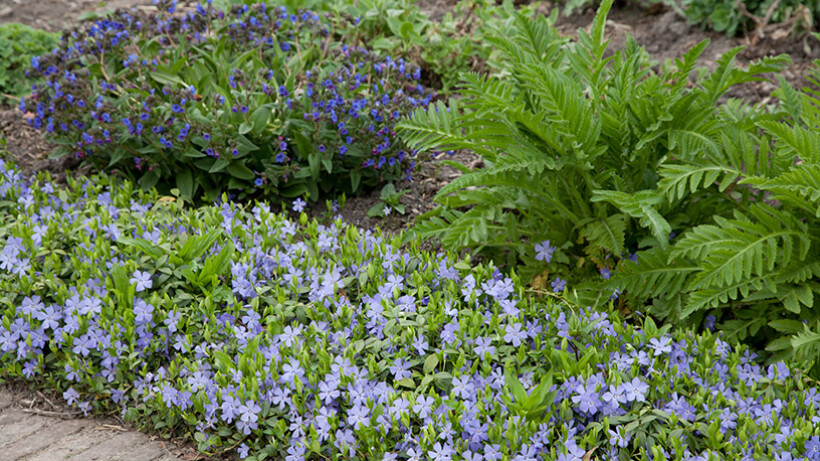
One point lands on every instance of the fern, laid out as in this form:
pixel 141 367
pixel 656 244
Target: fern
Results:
pixel 799 187
pixel 605 156
pixel 652 276
pixel 641 205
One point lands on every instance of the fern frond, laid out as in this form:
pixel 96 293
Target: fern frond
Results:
pixel 434 128
pixel 677 178
pixel 639 205
pixel 799 187
pixel 738 249
pixel 798 273
pixel 795 141
pixel 715 297
pixel 687 144
pixel 505 174
pixel 606 234
pixel 652 275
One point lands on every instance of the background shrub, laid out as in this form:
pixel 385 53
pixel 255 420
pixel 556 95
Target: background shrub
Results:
pixel 726 16
pixel 254 100
pixel 573 144
pixel 754 270
pixel 19 44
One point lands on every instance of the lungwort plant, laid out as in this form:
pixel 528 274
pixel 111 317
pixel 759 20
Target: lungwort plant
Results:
pixel 252 100
pixel 573 144
pixel 757 268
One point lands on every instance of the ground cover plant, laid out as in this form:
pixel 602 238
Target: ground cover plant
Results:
pixel 19 44
pixel 444 48
pixel 252 100
pixel 279 338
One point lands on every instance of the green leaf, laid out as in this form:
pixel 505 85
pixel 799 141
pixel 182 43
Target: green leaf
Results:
pixel 514 385
pixel 149 180
pixel 218 264
pixel 143 245
pixel 185 183
pixel 430 363
pixel 167 78
pixel 245 127
pixel 219 165
pixel 259 119
pixel 240 171
pixel 196 245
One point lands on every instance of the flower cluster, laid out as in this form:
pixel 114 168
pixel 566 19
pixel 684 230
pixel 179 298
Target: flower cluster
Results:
pixel 210 101
pixel 364 106
pixel 297 340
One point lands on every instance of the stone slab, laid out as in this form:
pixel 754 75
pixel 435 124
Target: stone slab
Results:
pixel 16 425
pixel 42 439
pixel 70 446
pixel 116 447
pixel 5 400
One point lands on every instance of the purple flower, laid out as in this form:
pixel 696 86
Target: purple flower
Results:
pixel 230 408
pixel 248 416
pixel 462 387
pixel 635 390
pixel 587 398
pixel 299 205
pixel 543 251
pixel 142 280
pixel 441 453
pixel 358 416
pixel 513 334
pixel 143 312
pixel 423 406
pixel 558 284
pixel 484 346
pixel 400 369
pixel 71 396
pixel 620 437
pixel 661 346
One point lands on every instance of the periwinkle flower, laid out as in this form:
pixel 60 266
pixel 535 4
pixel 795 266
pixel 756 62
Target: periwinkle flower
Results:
pixel 544 251
pixel 142 279
pixel 299 205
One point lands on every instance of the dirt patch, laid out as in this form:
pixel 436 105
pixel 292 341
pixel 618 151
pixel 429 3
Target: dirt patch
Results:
pixel 58 15
pixel 29 149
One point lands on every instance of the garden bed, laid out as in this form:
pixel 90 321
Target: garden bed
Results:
pixel 292 331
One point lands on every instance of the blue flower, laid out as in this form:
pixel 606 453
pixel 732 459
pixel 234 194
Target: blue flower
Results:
pixel 558 285
pixel 543 251
pixel 299 205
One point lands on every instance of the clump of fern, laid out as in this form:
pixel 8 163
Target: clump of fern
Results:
pixel 574 146
pixel 757 270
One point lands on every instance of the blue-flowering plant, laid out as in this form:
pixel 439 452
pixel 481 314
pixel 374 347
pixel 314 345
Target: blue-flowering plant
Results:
pixel 252 100
pixel 286 339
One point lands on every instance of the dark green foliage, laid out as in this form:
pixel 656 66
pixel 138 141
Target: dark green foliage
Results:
pixel 600 156
pixel 252 101
pixel 18 44
pixel 756 269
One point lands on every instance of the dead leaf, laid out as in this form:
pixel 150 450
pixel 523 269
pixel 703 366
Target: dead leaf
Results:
pixel 588 454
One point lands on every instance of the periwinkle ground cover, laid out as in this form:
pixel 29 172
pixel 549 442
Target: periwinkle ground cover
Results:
pixel 290 339
pixel 253 100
